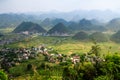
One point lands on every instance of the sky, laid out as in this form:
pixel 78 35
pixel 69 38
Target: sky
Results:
pixel 23 6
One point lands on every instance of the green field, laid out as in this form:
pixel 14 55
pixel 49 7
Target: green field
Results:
pixel 63 45
pixel 66 45
pixel 6 30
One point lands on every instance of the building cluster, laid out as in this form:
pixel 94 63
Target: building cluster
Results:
pixel 11 57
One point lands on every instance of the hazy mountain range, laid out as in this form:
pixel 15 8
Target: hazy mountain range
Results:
pixel 75 20
pixel 76 15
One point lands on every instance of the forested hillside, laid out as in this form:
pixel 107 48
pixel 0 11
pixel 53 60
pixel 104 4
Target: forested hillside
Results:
pixel 30 27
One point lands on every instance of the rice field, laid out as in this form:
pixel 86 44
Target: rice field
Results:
pixel 66 45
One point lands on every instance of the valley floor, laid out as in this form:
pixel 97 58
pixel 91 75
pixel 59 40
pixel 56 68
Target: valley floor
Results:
pixel 41 67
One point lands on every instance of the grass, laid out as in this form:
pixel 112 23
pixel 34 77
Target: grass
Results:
pixel 20 71
pixel 66 45
pixel 77 47
pixel 6 30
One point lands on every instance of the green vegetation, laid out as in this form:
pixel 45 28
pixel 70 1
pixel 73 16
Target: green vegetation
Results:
pixel 93 65
pixel 99 37
pixel 116 37
pixel 114 24
pixel 81 36
pixel 60 57
pixel 6 30
pixel 3 75
pixel 29 26
pixel 59 28
pixel 64 45
pixel 86 25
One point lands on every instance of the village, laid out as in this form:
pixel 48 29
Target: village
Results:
pixel 11 57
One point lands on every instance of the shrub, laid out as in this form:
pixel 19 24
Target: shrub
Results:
pixel 29 67
pixel 3 76
pixel 103 78
pixel 17 71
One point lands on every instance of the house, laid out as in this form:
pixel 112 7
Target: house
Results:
pixel 75 59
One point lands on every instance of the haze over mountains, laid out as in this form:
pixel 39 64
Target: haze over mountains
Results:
pixel 76 15
pixel 75 20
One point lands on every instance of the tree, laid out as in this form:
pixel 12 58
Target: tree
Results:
pixel 95 49
pixel 69 74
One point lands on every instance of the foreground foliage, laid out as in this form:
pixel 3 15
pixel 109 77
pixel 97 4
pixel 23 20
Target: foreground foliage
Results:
pixel 92 66
pixel 3 75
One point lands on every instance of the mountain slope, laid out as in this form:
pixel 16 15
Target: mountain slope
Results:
pixel 80 36
pixel 58 28
pixel 29 26
pixel 114 24
pixel 87 25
